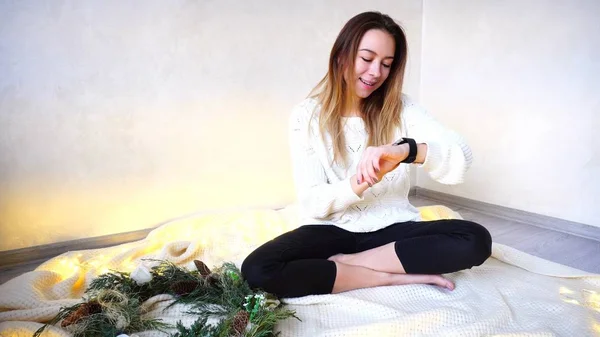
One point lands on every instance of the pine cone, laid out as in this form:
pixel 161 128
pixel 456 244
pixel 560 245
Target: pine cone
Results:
pixel 202 268
pixel 94 307
pixel 84 310
pixel 212 280
pixel 183 288
pixel 240 321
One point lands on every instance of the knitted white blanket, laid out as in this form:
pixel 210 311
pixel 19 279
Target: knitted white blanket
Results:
pixel 511 294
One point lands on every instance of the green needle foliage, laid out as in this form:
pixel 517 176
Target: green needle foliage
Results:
pixel 222 301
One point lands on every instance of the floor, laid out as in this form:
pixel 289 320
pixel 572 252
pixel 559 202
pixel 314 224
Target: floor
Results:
pixel 551 245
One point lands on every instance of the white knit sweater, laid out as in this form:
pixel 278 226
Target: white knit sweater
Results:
pixel 324 192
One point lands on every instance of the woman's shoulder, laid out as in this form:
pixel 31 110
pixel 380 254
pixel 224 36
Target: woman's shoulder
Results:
pixel 408 102
pixel 307 106
pixel 411 108
pixel 303 111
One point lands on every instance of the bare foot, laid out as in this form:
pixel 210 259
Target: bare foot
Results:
pixel 438 280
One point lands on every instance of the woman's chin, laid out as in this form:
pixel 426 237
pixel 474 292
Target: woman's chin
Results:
pixel 362 94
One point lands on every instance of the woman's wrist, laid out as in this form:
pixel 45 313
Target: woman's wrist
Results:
pixel 421 153
pixel 406 151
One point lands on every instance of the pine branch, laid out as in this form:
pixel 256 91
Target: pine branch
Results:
pixel 200 328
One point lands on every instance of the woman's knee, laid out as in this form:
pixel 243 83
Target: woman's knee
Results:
pixel 479 247
pixel 255 270
pixel 481 242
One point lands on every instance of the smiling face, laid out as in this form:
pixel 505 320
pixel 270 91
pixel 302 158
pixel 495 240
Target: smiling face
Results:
pixel 373 61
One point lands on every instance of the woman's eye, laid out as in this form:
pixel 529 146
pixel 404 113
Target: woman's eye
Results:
pixel 364 59
pixel 387 65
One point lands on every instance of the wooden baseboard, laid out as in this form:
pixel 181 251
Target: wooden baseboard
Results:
pixel 412 192
pixel 543 221
pixel 41 253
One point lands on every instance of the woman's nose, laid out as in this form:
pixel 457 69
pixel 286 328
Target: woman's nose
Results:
pixel 374 69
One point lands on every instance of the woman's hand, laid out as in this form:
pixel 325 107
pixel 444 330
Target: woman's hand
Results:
pixel 377 161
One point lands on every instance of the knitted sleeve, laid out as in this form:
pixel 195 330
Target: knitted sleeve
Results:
pixel 318 197
pixel 448 155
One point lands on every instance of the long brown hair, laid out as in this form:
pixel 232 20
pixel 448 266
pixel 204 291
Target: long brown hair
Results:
pixel 381 110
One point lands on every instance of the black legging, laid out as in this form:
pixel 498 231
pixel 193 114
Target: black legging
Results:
pixel 295 263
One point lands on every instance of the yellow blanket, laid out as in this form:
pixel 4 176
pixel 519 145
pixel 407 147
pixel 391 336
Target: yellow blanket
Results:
pixel 511 294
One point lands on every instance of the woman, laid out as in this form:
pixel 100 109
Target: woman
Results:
pixel 361 229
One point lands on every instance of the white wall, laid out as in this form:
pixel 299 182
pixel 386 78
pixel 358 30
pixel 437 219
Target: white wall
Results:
pixel 521 81
pixel 116 116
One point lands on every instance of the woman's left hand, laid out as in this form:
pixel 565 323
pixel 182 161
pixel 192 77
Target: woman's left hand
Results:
pixel 377 161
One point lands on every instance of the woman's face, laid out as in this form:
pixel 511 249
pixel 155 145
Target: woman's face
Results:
pixel 373 61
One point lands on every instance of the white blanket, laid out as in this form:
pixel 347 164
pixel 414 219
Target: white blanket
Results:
pixel 511 294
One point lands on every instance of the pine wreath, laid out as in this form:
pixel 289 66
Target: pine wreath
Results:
pixel 112 304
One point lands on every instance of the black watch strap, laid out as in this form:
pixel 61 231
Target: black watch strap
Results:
pixel 412 149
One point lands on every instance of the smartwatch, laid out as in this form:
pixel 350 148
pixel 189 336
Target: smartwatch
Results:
pixel 412 149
